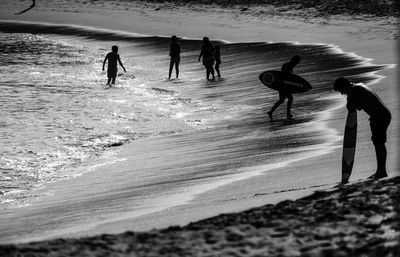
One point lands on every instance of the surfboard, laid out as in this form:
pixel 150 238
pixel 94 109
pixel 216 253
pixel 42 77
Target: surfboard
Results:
pixel 281 80
pixel 349 145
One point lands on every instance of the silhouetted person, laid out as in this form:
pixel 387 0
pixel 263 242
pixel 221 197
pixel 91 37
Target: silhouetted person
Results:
pixel 30 7
pixel 217 60
pixel 360 97
pixel 208 54
pixel 286 93
pixel 174 52
pixel 112 70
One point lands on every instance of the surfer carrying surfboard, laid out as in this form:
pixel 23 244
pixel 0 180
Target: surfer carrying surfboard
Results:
pixel 285 92
pixel 360 97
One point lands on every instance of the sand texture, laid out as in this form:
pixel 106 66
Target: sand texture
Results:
pixel 359 219
pixel 355 220
pixel 323 7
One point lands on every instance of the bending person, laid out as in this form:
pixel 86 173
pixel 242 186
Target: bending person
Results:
pixel 360 97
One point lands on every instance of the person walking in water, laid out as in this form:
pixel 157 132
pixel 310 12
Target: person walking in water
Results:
pixel 360 97
pixel 208 54
pixel 217 60
pixel 174 52
pixel 112 70
pixel 284 93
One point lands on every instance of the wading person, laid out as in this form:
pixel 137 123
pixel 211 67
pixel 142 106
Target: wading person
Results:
pixel 360 97
pixel 112 69
pixel 285 93
pixel 174 53
pixel 217 60
pixel 208 54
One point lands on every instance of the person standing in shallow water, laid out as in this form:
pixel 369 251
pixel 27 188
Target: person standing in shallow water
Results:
pixel 217 60
pixel 284 93
pixel 112 70
pixel 174 53
pixel 360 97
pixel 208 54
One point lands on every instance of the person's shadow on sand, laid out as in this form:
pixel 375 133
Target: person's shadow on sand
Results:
pixel 30 7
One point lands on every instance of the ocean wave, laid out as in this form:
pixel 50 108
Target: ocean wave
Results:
pixel 59 116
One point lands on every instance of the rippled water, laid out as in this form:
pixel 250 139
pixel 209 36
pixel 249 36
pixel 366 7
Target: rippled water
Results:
pixel 57 113
pixel 59 119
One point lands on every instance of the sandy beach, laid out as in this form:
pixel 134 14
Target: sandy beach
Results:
pixel 356 220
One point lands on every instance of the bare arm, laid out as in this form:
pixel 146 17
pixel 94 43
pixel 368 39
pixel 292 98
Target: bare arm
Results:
pixel 201 54
pixel 120 63
pixel 104 62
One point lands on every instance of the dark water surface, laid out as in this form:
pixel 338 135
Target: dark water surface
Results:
pixel 60 122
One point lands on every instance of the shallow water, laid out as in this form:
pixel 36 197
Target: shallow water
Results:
pixel 60 121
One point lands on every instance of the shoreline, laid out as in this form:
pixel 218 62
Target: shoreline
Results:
pixel 270 197
pixel 110 225
pixel 366 48
pixel 354 220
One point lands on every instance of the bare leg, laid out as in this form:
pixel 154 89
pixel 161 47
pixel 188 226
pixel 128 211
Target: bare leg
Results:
pixel 381 155
pixel 177 69
pixel 276 105
pixel 217 69
pixel 30 7
pixel 171 66
pixel 108 81
pixel 289 106
pixel 212 72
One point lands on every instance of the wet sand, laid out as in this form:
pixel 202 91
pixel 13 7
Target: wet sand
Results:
pixel 357 220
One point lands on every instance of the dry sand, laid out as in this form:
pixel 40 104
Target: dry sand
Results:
pixel 357 220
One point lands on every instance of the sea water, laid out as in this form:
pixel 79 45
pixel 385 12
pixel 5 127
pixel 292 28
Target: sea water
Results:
pixel 57 113
pixel 60 121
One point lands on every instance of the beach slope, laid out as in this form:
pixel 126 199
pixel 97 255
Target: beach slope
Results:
pixel 354 220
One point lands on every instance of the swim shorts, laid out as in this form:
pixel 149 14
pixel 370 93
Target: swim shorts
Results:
pixel 112 73
pixel 175 59
pixel 379 128
pixel 208 61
